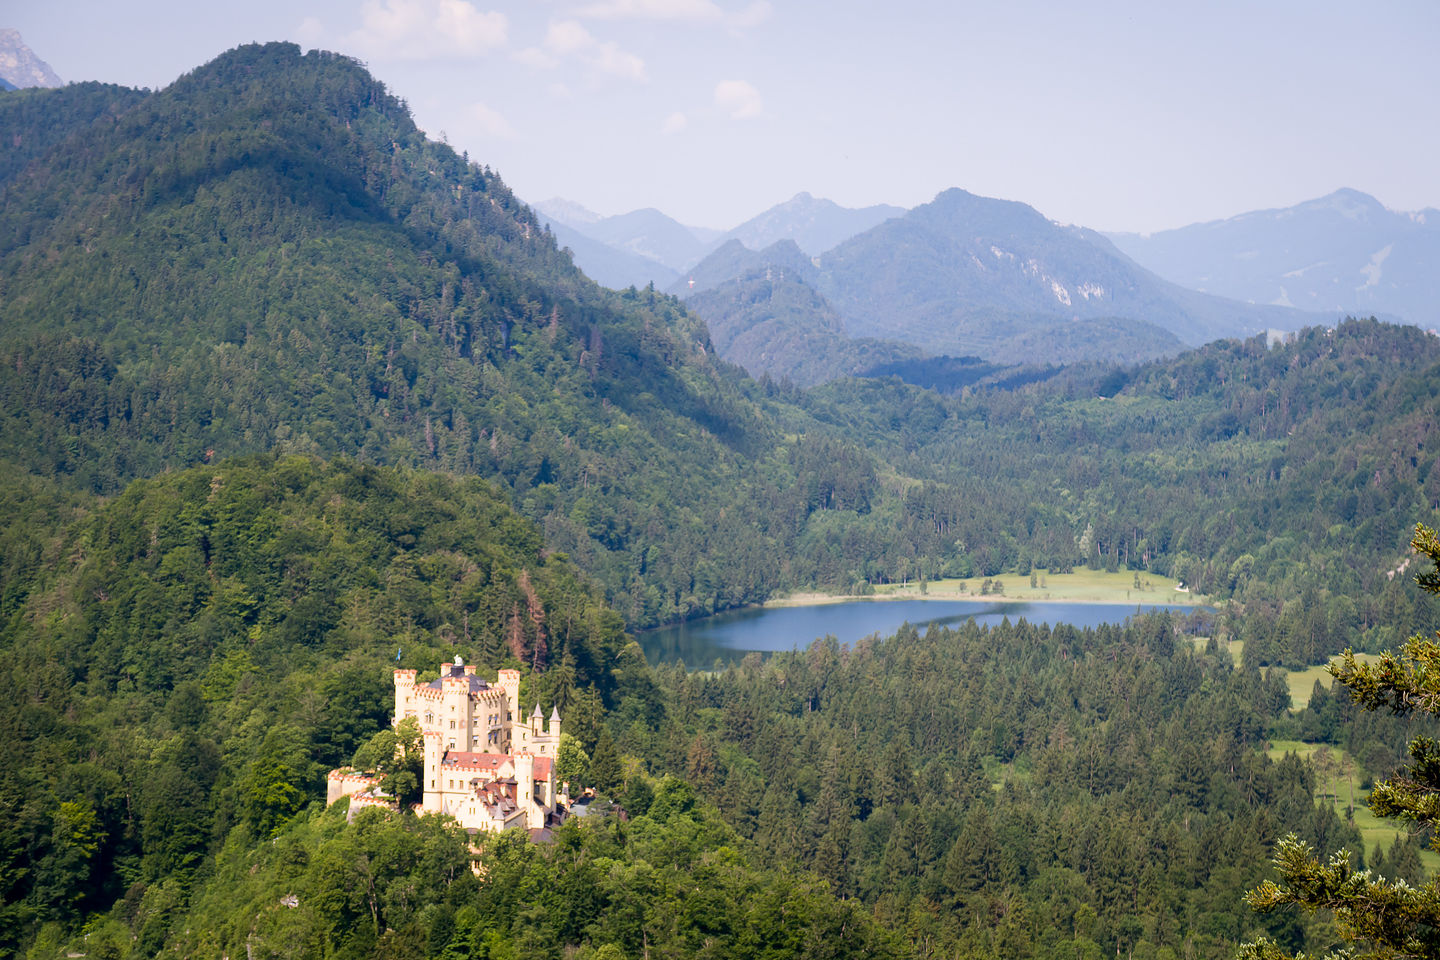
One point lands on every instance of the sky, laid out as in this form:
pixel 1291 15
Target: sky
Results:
pixel 1114 115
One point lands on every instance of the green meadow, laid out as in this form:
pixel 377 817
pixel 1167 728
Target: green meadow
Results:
pixel 1337 780
pixel 1082 586
pixel 1302 682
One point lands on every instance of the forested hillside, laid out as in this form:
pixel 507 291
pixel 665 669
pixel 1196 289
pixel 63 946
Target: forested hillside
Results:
pixel 268 255
pixel 1010 792
pixel 218 638
pixel 290 395
pixel 777 326
pixel 1274 474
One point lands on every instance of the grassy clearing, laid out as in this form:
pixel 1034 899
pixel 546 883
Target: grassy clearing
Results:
pixel 1236 647
pixel 1082 586
pixel 1302 682
pixel 1337 780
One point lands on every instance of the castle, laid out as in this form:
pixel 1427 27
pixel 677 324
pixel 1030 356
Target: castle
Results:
pixel 484 765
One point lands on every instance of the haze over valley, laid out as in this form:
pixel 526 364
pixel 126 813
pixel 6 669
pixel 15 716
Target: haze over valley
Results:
pixel 380 546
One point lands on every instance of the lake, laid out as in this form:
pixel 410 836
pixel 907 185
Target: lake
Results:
pixel 729 636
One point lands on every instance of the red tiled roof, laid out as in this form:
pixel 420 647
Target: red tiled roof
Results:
pixel 474 761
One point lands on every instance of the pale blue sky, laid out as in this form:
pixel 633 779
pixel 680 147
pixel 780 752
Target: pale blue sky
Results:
pixel 1115 115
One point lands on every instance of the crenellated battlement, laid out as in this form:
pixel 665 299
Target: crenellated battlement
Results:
pixel 347 783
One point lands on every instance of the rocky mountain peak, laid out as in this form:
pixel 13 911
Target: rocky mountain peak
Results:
pixel 20 67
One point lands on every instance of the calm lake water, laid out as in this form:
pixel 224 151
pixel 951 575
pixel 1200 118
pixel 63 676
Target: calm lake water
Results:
pixel 729 636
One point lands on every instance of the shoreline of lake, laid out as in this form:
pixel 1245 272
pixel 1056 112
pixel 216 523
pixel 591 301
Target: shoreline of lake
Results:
pixel 814 598
pixel 775 627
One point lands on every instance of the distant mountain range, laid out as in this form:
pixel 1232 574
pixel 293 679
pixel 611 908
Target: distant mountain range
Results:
pixel 815 225
pixel 606 265
pixel 638 247
pixel 646 246
pixel 1343 253
pixel 769 318
pixel 968 275
pixel 965 272
pixel 20 67
pixel 960 276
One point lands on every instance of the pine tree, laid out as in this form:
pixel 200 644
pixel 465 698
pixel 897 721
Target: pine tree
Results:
pixel 605 770
pixel 1385 918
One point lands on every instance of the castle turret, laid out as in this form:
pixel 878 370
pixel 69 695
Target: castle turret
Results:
pixel 404 690
pixel 555 723
pixel 509 681
pixel 525 790
pixel 434 802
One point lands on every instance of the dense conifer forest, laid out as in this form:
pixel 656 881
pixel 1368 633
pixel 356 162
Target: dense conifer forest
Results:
pixel 290 396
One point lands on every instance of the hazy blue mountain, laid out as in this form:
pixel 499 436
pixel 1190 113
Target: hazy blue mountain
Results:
pixel 814 224
pixel 1341 253
pixel 7 85
pixel 20 67
pixel 568 212
pixel 965 274
pixel 706 235
pixel 607 265
pixel 733 259
pixel 651 234
pixel 764 313
pixel 770 321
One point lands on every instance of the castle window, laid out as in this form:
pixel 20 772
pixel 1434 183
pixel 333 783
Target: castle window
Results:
pixel 452 724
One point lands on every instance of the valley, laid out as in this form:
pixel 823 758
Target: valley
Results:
pixel 294 396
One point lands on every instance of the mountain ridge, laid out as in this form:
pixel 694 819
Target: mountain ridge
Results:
pixel 1342 252
pixel 366 293
pixel 964 270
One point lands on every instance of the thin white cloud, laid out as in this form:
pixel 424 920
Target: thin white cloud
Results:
pixel 753 15
pixel 739 99
pixel 570 39
pixel 703 11
pixel 491 122
pixel 421 30
pixel 608 58
pixel 568 36
pixel 535 57
pixel 674 123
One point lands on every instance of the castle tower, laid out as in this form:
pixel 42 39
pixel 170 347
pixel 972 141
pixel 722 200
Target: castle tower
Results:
pixel 454 717
pixel 525 790
pixel 434 801
pixel 509 681
pixel 404 689
pixel 555 724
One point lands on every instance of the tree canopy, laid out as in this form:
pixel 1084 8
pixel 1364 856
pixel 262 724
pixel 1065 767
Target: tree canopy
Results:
pixel 1384 918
